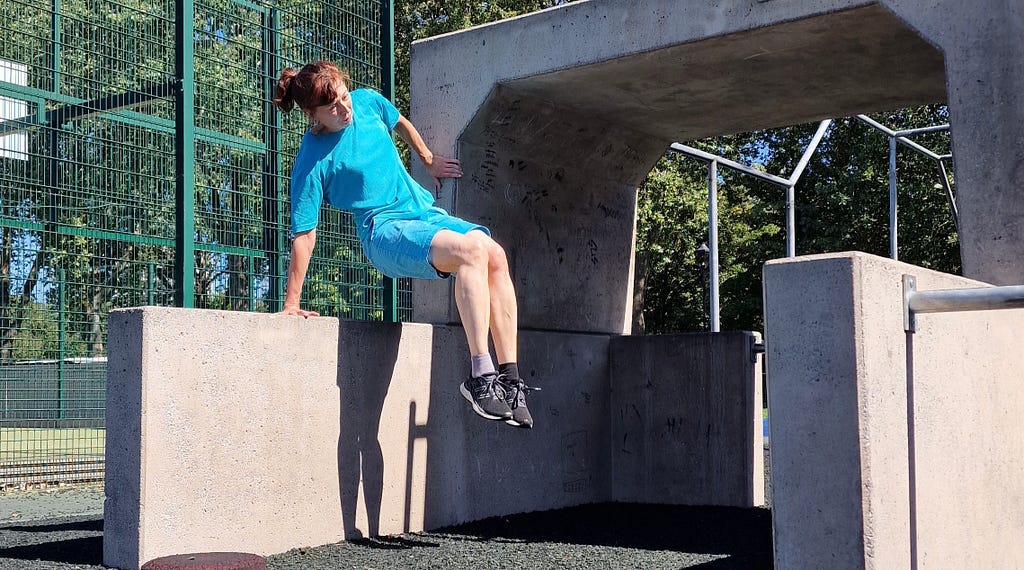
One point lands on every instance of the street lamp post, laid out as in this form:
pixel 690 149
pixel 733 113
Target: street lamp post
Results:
pixel 701 254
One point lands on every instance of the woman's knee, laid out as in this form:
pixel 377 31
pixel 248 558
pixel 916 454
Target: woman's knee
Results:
pixel 497 261
pixel 451 251
pixel 472 250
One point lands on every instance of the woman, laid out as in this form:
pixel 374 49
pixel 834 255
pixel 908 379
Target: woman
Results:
pixel 348 157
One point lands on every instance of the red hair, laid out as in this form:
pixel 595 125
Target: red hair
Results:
pixel 314 85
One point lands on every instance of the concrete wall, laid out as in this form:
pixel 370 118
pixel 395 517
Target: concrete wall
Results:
pixel 889 449
pixel 261 433
pixel 565 210
pixel 559 113
pixel 679 406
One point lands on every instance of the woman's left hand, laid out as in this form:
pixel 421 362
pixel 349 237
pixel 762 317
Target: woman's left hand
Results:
pixel 443 167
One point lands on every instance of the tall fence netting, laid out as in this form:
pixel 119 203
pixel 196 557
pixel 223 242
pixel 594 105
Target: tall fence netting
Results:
pixel 89 194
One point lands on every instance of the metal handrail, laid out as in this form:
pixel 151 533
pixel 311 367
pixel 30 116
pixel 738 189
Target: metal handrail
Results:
pixel 789 184
pixel 955 300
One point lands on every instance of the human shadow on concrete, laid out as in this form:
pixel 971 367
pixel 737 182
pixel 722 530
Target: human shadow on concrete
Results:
pixel 367 352
pixel 911 452
pixel 394 543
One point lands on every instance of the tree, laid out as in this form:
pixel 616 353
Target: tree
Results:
pixel 418 19
pixel 841 205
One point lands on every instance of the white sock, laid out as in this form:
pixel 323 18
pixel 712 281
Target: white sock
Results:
pixel 482 364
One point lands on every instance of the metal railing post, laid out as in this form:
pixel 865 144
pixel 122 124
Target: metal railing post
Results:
pixel 893 231
pixel 713 242
pixel 788 183
pixel 949 194
pixel 791 221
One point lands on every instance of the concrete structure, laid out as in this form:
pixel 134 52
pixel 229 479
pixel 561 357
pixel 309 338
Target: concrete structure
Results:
pixel 260 433
pixel 558 116
pixel 890 449
pixel 674 436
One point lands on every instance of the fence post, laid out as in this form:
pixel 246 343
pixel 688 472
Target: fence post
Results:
pixel 150 287
pixel 387 88
pixel 61 340
pixel 185 151
pixel 274 242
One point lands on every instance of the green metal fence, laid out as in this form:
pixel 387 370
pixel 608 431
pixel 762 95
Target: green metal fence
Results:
pixel 141 162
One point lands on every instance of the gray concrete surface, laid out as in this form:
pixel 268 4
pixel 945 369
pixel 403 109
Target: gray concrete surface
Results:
pixel 557 115
pixel 677 405
pixel 889 449
pixel 209 412
pixel 32 505
pixel 262 433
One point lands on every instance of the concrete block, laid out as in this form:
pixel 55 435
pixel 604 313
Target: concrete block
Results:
pixel 687 420
pixel 889 449
pixel 209 414
pixel 260 433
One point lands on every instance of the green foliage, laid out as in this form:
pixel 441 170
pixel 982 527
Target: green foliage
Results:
pixel 39 339
pixel 842 204
pixel 418 19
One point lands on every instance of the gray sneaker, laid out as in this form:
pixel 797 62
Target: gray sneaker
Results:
pixel 487 397
pixel 515 398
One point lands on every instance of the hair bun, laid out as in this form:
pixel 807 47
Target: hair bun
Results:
pixel 283 97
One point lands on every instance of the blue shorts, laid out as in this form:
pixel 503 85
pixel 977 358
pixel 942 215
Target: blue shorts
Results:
pixel 401 248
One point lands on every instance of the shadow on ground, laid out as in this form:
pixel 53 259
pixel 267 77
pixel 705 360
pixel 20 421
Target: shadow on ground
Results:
pixel 704 530
pixel 607 535
pixel 598 536
pixel 76 542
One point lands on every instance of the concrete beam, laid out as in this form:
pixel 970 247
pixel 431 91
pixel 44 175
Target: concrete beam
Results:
pixel 890 449
pixel 661 71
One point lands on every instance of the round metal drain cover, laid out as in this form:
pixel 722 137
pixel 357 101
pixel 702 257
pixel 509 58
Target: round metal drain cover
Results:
pixel 208 561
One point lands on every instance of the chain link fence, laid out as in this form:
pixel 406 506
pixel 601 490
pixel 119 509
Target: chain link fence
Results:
pixel 142 162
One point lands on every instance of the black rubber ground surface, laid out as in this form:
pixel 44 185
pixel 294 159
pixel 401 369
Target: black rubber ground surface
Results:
pixel 605 536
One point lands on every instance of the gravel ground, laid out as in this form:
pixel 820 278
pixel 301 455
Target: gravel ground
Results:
pixel 602 536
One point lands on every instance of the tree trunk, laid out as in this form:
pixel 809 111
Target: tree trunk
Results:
pixel 92 316
pixel 6 311
pixel 639 288
pixel 238 266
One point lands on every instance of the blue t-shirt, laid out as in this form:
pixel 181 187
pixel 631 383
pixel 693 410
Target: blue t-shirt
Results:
pixel 357 169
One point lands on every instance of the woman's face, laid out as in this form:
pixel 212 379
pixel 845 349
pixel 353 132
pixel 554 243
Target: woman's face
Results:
pixel 335 116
